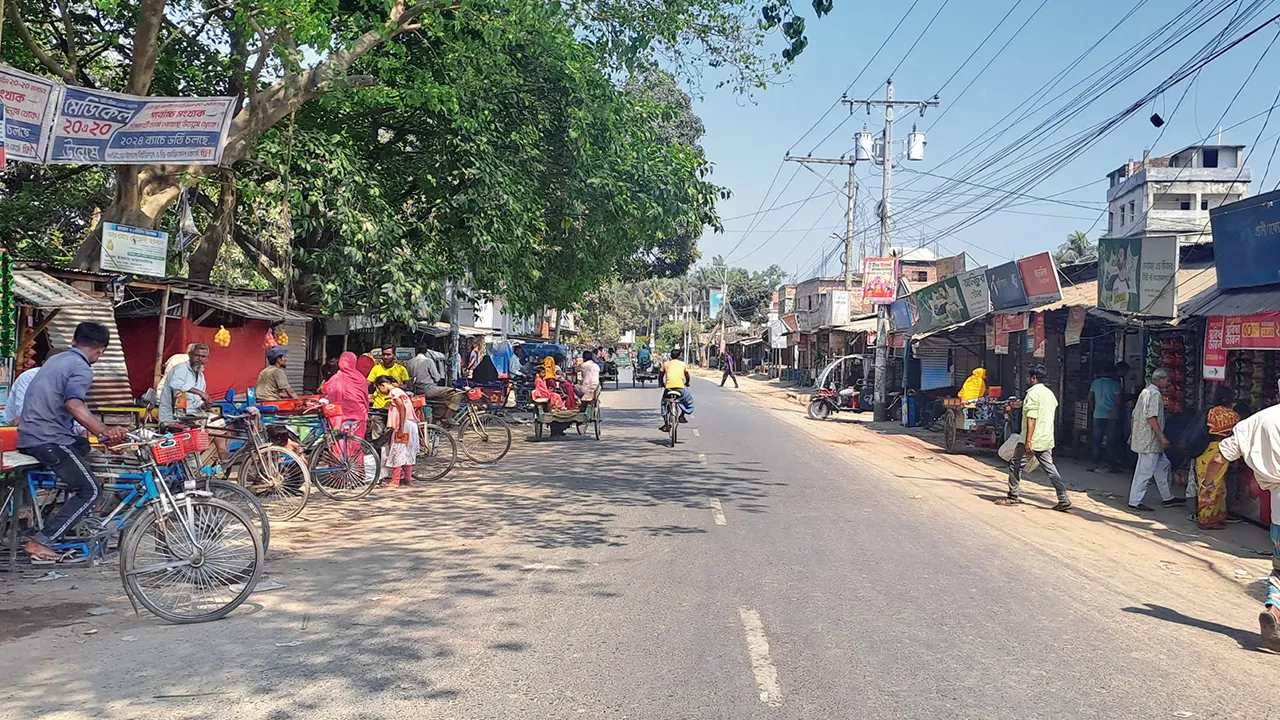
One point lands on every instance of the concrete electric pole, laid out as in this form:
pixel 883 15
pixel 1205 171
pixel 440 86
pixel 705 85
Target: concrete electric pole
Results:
pixel 851 193
pixel 886 162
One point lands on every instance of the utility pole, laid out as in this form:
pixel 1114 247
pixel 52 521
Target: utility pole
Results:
pixel 882 311
pixel 851 194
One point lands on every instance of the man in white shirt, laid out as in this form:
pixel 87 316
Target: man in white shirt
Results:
pixel 13 407
pixel 184 391
pixel 1147 439
pixel 1256 440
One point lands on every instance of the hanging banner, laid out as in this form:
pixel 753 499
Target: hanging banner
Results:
pixel 1037 335
pixel 1040 279
pixel 1001 336
pixel 1016 322
pixel 950 266
pixel 976 293
pixel 96 126
pixel 1138 275
pixel 137 251
pixel 857 305
pixel 900 314
pixel 1215 351
pixel 879 280
pixel 28 106
pixel 939 305
pixel 1075 325
pixel 991 335
pixel 1004 284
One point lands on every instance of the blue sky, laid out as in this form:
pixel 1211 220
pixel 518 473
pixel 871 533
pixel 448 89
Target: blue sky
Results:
pixel 746 139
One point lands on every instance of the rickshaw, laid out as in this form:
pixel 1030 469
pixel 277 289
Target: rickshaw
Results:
pixel 588 413
pixel 983 424
pixel 844 385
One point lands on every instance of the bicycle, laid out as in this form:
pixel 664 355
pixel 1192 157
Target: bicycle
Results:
pixel 672 412
pixel 186 557
pixel 344 466
pixel 277 476
pixel 437 450
pixel 484 438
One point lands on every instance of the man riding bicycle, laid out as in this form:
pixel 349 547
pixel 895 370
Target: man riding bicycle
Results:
pixel 674 377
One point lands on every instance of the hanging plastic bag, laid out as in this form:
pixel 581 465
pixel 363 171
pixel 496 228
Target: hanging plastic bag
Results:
pixel 1010 446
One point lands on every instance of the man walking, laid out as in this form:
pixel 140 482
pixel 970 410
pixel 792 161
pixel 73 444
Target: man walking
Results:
pixel 1104 398
pixel 726 362
pixel 1039 416
pixel 54 402
pixel 1147 439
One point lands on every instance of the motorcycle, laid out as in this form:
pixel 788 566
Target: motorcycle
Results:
pixel 857 398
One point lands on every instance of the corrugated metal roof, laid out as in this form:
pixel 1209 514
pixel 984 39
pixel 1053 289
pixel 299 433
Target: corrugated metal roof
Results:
pixel 46 292
pixel 866 324
pixel 1242 301
pixel 110 378
pixel 245 307
pixel 440 329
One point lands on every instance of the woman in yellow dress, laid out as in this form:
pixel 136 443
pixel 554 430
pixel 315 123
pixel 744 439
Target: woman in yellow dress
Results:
pixel 1211 499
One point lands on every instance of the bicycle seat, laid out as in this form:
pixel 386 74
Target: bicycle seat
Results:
pixel 673 393
pixel 13 460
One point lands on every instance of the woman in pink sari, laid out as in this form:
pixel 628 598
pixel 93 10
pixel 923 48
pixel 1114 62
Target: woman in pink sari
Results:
pixel 350 390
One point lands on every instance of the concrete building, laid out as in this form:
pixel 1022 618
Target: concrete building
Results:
pixel 1173 195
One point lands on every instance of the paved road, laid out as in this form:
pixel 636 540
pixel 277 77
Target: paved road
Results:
pixel 751 572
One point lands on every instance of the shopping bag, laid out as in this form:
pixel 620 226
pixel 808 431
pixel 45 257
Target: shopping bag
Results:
pixel 1010 445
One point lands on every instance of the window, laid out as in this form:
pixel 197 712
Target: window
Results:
pixel 1111 221
pixel 920 276
pixel 1132 213
pixel 1184 205
pixel 1204 204
pixel 1122 216
pixel 1210 158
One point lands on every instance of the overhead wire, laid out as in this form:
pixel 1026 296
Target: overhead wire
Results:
pixel 775 233
pixel 919 37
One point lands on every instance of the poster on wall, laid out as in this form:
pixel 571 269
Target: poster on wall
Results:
pixel 133 250
pixel 939 305
pixel 1037 335
pixel 96 126
pixel 1075 325
pixel 950 266
pixel 1000 336
pixel 1040 279
pixel 879 280
pixel 1138 275
pixel 1215 351
pixel 28 105
pixel 1004 284
pixel 974 290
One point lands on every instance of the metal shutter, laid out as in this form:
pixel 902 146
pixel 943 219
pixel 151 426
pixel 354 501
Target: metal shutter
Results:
pixel 297 353
pixel 935 371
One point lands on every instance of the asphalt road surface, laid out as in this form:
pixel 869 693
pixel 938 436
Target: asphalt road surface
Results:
pixel 751 572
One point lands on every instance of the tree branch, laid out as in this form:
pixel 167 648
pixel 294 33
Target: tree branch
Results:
pixel 52 65
pixel 73 60
pixel 146 49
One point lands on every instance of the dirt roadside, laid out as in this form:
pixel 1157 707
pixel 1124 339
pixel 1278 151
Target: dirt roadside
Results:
pixel 1163 552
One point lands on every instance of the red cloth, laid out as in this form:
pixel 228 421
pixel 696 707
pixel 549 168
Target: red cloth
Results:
pixel 349 389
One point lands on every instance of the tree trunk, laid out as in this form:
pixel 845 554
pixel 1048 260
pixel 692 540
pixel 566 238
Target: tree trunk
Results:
pixel 221 225
pixel 143 194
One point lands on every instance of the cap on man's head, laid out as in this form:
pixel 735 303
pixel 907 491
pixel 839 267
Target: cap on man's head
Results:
pixel 275 353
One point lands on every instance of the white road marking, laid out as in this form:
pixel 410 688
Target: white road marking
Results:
pixel 758 648
pixel 717 512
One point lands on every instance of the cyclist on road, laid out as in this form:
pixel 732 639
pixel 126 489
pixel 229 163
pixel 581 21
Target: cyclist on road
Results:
pixel 674 375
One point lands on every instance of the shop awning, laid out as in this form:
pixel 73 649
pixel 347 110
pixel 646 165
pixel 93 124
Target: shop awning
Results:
pixel 440 329
pixel 43 291
pixel 863 324
pixel 247 308
pixel 749 341
pixel 947 328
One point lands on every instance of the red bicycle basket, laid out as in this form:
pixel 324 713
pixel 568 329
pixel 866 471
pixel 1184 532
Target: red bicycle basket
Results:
pixel 332 410
pixel 195 440
pixel 418 401
pixel 168 451
pixel 475 393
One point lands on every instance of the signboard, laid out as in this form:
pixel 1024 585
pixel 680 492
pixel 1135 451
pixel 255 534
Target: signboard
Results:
pixel 3 159
pixel 1075 325
pixel 950 266
pixel 879 280
pixel 1215 351
pixel 134 250
pixel 1245 235
pixel 900 314
pixel 939 305
pixel 28 105
pixel 1251 332
pixel 1001 336
pixel 1040 279
pixel 1036 336
pixel 1004 282
pixel 833 308
pixel 1138 275
pixel 973 287
pixel 96 126
pixel 857 306
pixel 716 302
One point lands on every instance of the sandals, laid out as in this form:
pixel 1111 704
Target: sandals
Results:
pixel 1008 501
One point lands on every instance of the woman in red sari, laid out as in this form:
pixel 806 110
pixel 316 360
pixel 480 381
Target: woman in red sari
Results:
pixel 350 390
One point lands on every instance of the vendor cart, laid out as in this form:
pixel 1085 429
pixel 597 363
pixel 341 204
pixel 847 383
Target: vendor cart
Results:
pixel 982 424
pixel 588 413
pixel 644 375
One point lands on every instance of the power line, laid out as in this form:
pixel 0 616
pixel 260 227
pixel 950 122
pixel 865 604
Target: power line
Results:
pixel 763 200
pixel 772 208
pixel 919 38
pixel 784 224
pixel 980 46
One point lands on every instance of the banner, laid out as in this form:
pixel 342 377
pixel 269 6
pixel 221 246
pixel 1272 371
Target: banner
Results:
pixel 879 280
pixel 3 159
pixel 137 251
pixel 973 287
pixel 939 305
pixel 1215 351
pixel 28 104
pixel 1040 279
pixel 1075 325
pixel 1251 332
pixel 1245 234
pixel 1138 275
pixel 1016 322
pixel 1004 283
pixel 1001 336
pixel 991 335
pixel 950 266
pixel 900 314
pixel 96 126
pixel 715 303
pixel 1037 336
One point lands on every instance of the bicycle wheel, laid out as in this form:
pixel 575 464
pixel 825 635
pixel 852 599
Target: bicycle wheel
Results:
pixel 242 498
pixel 437 453
pixel 675 426
pixel 193 564
pixel 486 440
pixel 345 467
pixel 279 479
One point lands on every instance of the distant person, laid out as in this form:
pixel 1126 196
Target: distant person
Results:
pixel 1147 439
pixel 589 372
pixel 272 382
pixel 1039 409
pixel 1104 398
pixel 727 364
pixel 644 359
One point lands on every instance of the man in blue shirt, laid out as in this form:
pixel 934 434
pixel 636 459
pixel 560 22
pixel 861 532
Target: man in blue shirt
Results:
pixel 54 402
pixel 1104 397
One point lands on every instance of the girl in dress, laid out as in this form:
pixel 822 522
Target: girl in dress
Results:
pixel 402 424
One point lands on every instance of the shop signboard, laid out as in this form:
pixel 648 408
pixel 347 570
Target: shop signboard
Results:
pixel 1037 335
pixel 96 126
pixel 939 305
pixel 1040 279
pixel 1004 283
pixel 950 266
pixel 857 306
pixel 976 293
pixel 28 105
pixel 133 250
pixel 1215 351
pixel 900 314
pixel 1138 275
pixel 1075 325
pixel 715 303
pixel 1245 234
pixel 879 280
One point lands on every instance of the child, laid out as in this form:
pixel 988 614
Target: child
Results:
pixel 402 452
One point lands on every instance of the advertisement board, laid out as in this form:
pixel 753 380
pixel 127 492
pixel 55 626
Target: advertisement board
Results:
pixel 138 251
pixel 28 105
pixel 96 126
pixel 1245 235
pixel 900 314
pixel 1004 283
pixel 950 266
pixel 1075 325
pixel 976 293
pixel 715 303
pixel 879 280
pixel 1138 275
pixel 1040 279
pixel 939 305
pixel 1215 351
